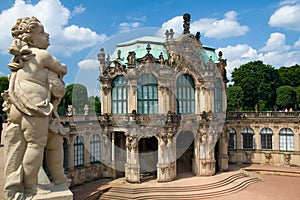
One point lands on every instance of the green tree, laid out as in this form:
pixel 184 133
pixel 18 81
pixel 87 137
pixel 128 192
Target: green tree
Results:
pixel 235 97
pixel 94 105
pixel 297 105
pixel 289 76
pixel 3 86
pixel 258 82
pixel 76 95
pixel 286 97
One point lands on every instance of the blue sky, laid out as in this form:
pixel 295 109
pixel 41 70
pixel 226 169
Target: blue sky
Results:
pixel 245 30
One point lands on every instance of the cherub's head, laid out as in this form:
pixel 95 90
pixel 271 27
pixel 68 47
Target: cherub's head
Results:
pixel 30 31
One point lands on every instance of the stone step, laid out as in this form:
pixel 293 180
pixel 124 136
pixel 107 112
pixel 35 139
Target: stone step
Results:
pixel 230 184
pixel 171 189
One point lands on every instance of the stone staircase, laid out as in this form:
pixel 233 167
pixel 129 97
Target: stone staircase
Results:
pixel 210 188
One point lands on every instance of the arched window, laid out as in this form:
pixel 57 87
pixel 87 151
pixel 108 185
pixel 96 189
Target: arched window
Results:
pixel 119 95
pixel 232 139
pixel 95 149
pixel 147 94
pixel 286 139
pixel 266 137
pixel 247 138
pixel 218 95
pixel 78 151
pixel 185 94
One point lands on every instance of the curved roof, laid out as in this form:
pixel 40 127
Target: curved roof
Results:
pixel 139 45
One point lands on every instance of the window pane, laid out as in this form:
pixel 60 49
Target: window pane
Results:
pixel 119 94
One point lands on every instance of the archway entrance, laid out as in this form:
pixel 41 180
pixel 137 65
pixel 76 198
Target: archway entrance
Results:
pixel 148 156
pixel 185 152
pixel 120 153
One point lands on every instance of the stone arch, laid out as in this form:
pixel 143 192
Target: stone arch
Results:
pixel 185 151
pixel 148 156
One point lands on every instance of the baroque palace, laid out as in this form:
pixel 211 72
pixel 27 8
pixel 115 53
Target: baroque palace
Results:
pixel 163 112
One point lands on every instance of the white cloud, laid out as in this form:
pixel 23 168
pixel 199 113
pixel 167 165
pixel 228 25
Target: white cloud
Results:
pixel 88 64
pixel 209 27
pixel 132 23
pixel 176 23
pixel 286 17
pixel 64 38
pixel 126 26
pixel 297 43
pixel 276 42
pixel 289 2
pixel 275 53
pixel 78 10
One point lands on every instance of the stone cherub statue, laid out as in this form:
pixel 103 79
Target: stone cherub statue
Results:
pixel 35 90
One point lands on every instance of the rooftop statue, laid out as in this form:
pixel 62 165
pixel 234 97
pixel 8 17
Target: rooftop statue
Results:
pixel 35 90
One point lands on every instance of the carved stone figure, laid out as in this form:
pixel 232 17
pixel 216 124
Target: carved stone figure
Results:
pixel 35 90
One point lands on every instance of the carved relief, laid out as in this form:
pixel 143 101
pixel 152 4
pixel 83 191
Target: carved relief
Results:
pixel 131 142
pixel 287 159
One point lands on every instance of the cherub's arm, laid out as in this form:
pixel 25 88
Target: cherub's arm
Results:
pixel 53 64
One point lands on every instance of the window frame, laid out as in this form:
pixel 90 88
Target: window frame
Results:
pixel 266 139
pixel 185 94
pixel 288 136
pixel 247 136
pixel 147 94
pixel 79 151
pixel 119 96
pixel 95 149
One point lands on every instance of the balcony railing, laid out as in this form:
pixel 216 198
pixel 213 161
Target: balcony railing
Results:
pixel 262 114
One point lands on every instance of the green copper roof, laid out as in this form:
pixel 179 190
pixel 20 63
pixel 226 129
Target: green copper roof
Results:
pixel 139 45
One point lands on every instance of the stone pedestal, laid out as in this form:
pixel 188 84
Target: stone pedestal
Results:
pixel 205 167
pixel 224 162
pixel 166 172
pixel 58 192
pixel 132 173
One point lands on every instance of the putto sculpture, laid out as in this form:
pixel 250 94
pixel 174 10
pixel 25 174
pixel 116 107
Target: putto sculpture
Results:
pixel 35 90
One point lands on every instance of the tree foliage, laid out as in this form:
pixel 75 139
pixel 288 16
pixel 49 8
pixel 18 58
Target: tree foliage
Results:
pixel 258 82
pixel 94 105
pixel 235 96
pixel 76 95
pixel 286 97
pixel 289 76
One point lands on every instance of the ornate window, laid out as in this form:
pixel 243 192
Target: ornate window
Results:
pixel 147 94
pixel 78 151
pixel 266 137
pixel 218 95
pixel 247 138
pixel 119 95
pixel 95 149
pixel 185 94
pixel 286 139
pixel 232 139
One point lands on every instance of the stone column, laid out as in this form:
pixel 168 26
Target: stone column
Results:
pixel 132 166
pixel 166 166
pixel 197 99
pixel 276 138
pixel 71 158
pixel 106 98
pixel 113 163
pixel 87 149
pixel 205 162
pixel 296 140
pixel 257 139
pixel 239 145
pixel 224 150
pixel 132 93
